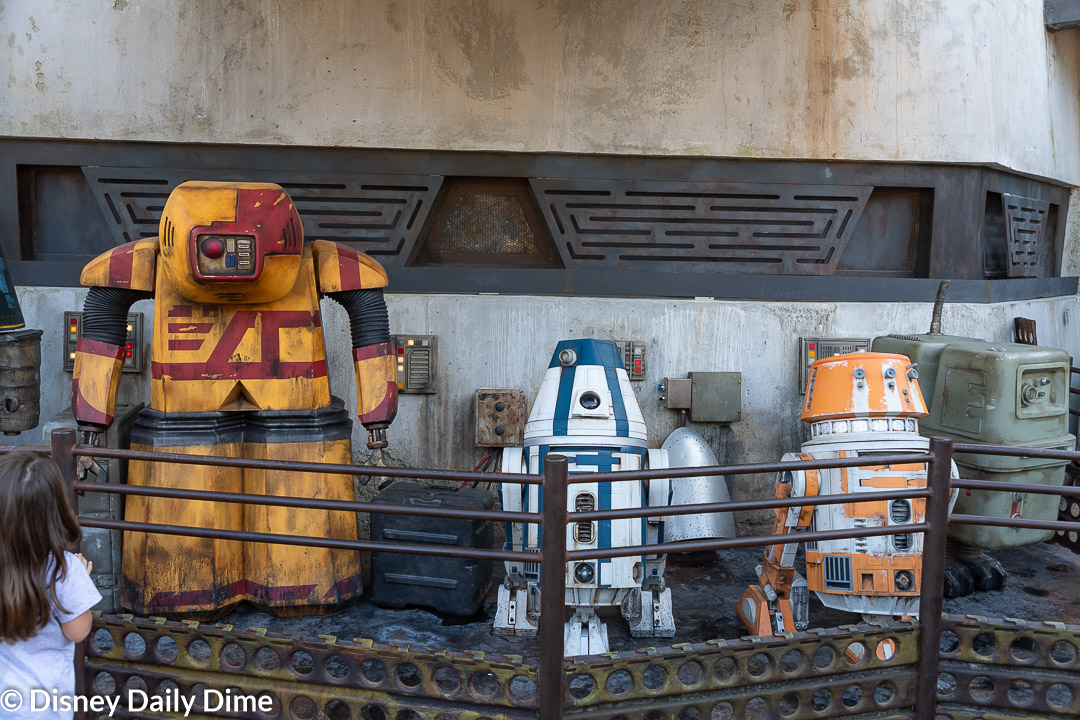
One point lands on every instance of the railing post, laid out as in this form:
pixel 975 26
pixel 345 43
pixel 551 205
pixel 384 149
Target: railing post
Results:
pixel 63 446
pixel 551 674
pixel 938 482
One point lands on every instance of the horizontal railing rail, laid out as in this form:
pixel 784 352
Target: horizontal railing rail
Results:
pixel 555 516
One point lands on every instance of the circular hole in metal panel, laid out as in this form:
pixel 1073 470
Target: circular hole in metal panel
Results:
pixel 267 659
pixel 484 683
pixel 337 710
pixel 984 644
pixel 199 650
pixel 522 688
pixel 654 715
pixel 1059 696
pixel 946 685
pixel 654 677
pixel 302 662
pixel 722 711
pixel 852 696
pixel 884 693
pixel 886 649
pixel 198 694
pixel 688 713
pixel 337 667
pixel 373 671
pixel 409 715
pixel 103 640
pixel 619 682
pixel 136 683
pixel 372 712
pixel 691 673
pixel 950 642
pixel 234 656
pixel 981 688
pixel 855 653
pixel 1020 692
pixel 759 665
pixel 167 686
pixel 1063 652
pixel 756 709
pixel 789 704
pixel 820 700
pixel 167 649
pixel 792 662
pixel 725 669
pixel 134 644
pixel 1023 649
pixel 581 686
pixel 447 680
pixel 275 705
pixel 824 657
pixel 409 675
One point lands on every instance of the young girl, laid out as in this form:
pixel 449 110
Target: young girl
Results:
pixel 45 591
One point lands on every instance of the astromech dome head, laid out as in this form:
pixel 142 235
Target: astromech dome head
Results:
pixel 862 385
pixel 586 399
pixel 224 242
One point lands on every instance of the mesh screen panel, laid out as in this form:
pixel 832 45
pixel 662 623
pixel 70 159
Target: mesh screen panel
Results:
pixel 487 224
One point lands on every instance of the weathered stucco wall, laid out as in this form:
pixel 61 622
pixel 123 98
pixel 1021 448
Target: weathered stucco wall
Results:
pixel 920 80
pixel 506 342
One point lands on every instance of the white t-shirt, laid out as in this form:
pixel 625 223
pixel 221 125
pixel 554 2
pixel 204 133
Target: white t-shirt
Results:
pixel 46 661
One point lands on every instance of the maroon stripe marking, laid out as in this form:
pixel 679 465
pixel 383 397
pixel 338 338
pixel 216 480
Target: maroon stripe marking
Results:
pixel 368 352
pixel 349 267
pixel 101 349
pixel 238 590
pixel 185 344
pixel 180 311
pixel 386 411
pixel 120 261
pixel 267 370
pixel 191 327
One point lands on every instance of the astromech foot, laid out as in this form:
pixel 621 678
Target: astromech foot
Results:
pixel 958 580
pixel 986 573
pixel 512 616
pixel 649 613
pixel 584 634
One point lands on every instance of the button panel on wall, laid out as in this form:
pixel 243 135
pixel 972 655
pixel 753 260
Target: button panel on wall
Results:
pixel 416 358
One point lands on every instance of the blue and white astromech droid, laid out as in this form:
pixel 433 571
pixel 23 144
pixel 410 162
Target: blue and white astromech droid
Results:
pixel 586 411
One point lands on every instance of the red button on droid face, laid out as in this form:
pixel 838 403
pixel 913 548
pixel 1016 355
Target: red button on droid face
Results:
pixel 213 248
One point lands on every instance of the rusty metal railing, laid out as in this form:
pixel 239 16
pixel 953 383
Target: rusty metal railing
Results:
pixel 551 672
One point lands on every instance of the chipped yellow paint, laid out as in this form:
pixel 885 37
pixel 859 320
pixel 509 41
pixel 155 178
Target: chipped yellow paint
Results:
pixel 372 375
pixel 98 379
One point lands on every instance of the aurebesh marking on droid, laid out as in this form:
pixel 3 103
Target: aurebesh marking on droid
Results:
pixel 171 702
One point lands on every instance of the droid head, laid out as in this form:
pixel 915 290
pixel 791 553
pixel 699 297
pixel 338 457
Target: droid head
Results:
pixel 231 242
pixel 874 391
pixel 586 399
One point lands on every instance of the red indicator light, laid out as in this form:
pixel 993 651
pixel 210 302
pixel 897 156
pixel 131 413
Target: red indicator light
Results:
pixel 212 248
pixel 127 354
pixel 401 351
pixel 812 346
pixel 128 346
pixel 637 363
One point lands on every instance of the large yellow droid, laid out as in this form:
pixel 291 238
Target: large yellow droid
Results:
pixel 238 369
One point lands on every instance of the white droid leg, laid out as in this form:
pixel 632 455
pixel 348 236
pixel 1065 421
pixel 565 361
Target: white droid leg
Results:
pixel 585 634
pixel 511 614
pixel 649 613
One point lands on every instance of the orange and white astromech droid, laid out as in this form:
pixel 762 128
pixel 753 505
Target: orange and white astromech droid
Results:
pixel 238 370
pixel 860 404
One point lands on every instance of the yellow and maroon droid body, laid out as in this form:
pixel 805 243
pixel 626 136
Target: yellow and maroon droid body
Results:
pixel 238 369
pixel 860 404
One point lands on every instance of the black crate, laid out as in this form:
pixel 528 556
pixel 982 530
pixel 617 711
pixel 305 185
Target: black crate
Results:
pixel 453 586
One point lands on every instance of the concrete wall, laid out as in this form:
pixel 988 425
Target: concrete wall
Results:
pixel 507 341
pixel 962 81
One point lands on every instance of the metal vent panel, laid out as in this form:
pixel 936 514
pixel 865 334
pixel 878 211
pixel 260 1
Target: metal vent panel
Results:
pixel 1025 221
pixel 378 214
pixel 481 223
pixel 837 572
pixel 701 226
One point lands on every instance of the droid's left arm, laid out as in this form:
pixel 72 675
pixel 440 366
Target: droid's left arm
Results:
pixel 356 281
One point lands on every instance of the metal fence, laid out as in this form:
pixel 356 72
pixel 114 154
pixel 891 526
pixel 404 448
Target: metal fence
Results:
pixel 409 686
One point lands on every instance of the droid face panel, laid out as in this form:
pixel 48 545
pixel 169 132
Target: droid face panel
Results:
pixel 235 242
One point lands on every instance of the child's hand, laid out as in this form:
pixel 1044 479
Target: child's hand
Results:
pixel 85 563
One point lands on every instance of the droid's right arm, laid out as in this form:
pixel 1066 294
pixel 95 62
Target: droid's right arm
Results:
pixel 117 279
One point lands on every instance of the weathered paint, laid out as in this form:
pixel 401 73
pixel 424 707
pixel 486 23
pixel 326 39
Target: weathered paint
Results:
pixel 919 80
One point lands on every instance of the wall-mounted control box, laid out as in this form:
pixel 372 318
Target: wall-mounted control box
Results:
pixel 708 396
pixel 416 358
pixel 500 418
pixel 633 354
pixel 811 349
pixel 132 343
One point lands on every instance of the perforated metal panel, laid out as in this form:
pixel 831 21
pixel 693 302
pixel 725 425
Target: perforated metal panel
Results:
pixel 487 224
pixel 1025 220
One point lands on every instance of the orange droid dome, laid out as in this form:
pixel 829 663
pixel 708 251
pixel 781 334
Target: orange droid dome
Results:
pixel 861 385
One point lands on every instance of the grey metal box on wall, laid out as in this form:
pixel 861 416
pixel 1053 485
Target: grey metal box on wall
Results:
pixel 103 547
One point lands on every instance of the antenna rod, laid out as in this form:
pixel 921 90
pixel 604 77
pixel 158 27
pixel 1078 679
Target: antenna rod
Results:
pixel 939 301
